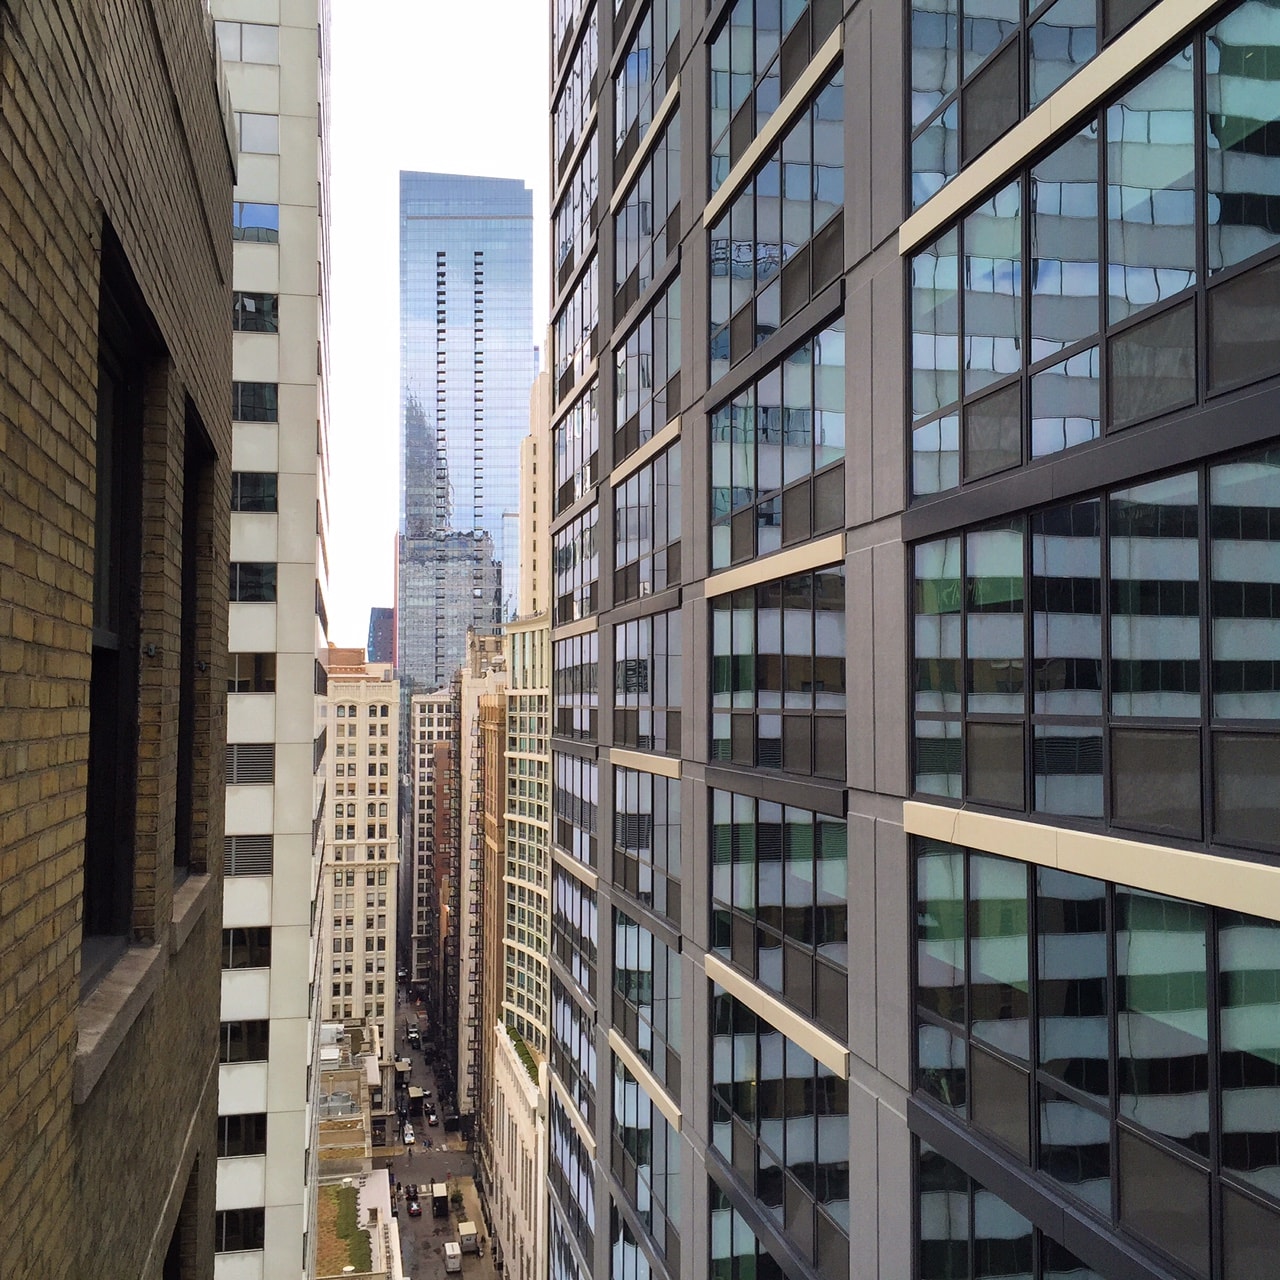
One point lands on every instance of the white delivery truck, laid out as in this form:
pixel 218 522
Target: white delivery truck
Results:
pixel 452 1256
pixel 468 1237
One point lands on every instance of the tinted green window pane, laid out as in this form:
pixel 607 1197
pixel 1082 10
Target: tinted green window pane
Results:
pixel 935 313
pixel 1064 236
pixel 1071 949
pixel 1242 130
pixel 1155 599
pixel 993 289
pixel 937 625
pixel 999 952
pixel 1244 523
pixel 935 156
pixel 1162 1025
pixel 1249 989
pixel 1151 189
pixel 994 620
pixel 1062 41
pixel 940 918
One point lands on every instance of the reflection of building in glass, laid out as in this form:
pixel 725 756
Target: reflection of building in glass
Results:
pixel 382 634
pixel 942 455
pixel 466 366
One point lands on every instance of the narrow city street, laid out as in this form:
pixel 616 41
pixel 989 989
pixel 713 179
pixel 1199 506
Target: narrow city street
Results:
pixel 447 1159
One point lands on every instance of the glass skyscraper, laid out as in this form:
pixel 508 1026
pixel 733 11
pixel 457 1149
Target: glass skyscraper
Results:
pixel 466 368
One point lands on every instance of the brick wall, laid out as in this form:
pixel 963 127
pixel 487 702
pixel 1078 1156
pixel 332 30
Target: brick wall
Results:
pixel 108 108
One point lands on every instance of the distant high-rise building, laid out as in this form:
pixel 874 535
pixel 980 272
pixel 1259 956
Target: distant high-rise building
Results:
pixel 382 634
pixel 466 365
pixel 276 736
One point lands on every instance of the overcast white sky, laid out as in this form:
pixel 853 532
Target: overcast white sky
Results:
pixel 451 86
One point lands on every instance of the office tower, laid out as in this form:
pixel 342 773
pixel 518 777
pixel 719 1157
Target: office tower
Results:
pixel 276 805
pixel 358 939
pixel 913 478
pixel 382 634
pixel 114 457
pixel 466 365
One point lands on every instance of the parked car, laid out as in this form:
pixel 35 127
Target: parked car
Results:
pixel 415 1209
pixel 431 1120
pixel 409 1136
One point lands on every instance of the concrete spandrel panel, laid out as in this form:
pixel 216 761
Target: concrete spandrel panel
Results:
pixel 300 70
pixel 297 503
pixel 246 902
pixel 251 717
pixel 296 599
pixel 298 144
pixel 286 1230
pixel 242 1088
pixel 241 1182
pixel 255 357
pixel 298 320
pixel 258 179
pixel 256 267
pixel 251 628
pixel 295 698
pixel 255 446
pixel 238 1266
pixel 290 971
pixel 246 10
pixel 287 1071
pixel 255 86
pixel 299 247
pixel 250 809
pixel 299 405
pixel 287 1147
pixel 254 536
pixel 246 994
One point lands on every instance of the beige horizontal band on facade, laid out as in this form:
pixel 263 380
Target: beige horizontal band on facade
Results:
pixel 1087 88
pixel 657 1094
pixel 654 445
pixel 583 626
pixel 830 1052
pixel 663 766
pixel 766 139
pixel 588 1139
pixel 811 555
pixel 1180 873
pixel 579 870
pixel 666 108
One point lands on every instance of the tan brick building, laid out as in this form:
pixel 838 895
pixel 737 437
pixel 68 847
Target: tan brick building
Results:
pixel 115 372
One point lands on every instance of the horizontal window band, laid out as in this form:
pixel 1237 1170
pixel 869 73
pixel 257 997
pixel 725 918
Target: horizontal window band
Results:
pixel 657 1094
pixel 1163 26
pixel 646 452
pixel 1119 458
pixel 827 1050
pixel 653 135
pixel 821 553
pixel 796 98
pixel 1213 879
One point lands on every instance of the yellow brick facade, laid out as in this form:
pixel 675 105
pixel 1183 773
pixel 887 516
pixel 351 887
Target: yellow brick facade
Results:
pixel 110 117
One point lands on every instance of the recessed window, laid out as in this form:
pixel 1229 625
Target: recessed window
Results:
pixel 254 490
pixel 254 401
pixel 253 583
pixel 255 223
pixel 255 312
pixel 258 133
